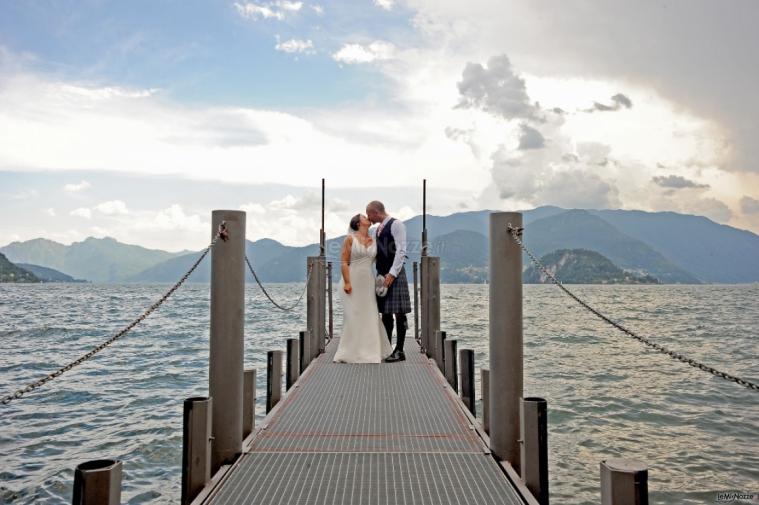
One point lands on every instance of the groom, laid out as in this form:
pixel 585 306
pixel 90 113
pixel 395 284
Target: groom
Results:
pixel 391 254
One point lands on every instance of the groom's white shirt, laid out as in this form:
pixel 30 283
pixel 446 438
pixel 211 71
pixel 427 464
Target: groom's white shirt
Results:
pixel 398 230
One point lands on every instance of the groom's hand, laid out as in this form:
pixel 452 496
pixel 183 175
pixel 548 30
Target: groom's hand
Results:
pixel 389 278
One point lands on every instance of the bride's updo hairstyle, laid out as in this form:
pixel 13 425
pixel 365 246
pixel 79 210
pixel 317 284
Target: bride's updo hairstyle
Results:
pixel 355 222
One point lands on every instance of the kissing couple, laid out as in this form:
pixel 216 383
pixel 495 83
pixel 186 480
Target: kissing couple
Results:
pixel 366 337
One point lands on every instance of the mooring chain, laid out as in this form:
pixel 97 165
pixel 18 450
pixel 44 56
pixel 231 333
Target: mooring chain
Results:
pixel 516 234
pixel 221 234
pixel 280 307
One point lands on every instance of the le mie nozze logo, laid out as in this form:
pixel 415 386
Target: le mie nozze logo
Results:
pixel 737 497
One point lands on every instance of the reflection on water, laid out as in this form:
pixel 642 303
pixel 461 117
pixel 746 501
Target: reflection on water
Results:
pixel 608 395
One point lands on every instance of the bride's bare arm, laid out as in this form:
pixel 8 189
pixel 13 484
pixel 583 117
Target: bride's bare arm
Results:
pixel 345 257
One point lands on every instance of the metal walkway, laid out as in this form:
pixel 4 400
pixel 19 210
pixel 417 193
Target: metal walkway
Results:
pixel 367 434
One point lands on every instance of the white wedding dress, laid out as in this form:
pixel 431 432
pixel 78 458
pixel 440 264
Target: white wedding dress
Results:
pixel 363 338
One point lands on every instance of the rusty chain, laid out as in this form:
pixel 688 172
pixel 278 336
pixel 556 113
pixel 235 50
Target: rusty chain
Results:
pixel 280 307
pixel 516 234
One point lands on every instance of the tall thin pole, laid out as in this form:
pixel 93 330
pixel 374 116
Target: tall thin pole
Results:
pixel 424 217
pixel 322 241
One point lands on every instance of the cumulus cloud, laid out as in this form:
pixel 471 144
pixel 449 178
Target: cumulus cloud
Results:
pixel 50 212
pixel 749 206
pixel 82 212
pixel 495 88
pixel 77 187
pixel 295 46
pixel 676 182
pixel 358 53
pixel 270 10
pixel 530 138
pixel 112 207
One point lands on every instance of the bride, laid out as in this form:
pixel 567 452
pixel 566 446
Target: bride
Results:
pixel 363 338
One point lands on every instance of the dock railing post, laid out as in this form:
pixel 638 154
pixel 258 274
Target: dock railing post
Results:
pixel 506 376
pixel 196 446
pixel 315 306
pixel 624 482
pixel 98 482
pixel 451 370
pixel 440 350
pixel 293 362
pixel 330 313
pixel 273 379
pixel 534 454
pixel 416 301
pixel 227 326
pixel 248 402
pixel 466 361
pixel 304 349
pixel 485 392
pixel 430 302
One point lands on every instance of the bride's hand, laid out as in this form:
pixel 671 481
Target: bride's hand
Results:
pixel 348 288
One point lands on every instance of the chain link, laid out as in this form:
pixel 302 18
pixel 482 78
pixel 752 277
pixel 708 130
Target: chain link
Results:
pixel 516 234
pixel 280 307
pixel 221 234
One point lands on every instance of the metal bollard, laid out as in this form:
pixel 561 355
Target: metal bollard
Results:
pixel 624 482
pixel 227 325
pixel 534 453
pixel 416 301
pixel 248 402
pixel 315 305
pixel 466 360
pixel 98 482
pixel 305 350
pixel 440 350
pixel 449 359
pixel 506 350
pixel 293 362
pixel 330 313
pixel 485 392
pixel 196 446
pixel 273 379
pixel 430 302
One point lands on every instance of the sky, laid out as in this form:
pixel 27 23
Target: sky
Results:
pixel 135 119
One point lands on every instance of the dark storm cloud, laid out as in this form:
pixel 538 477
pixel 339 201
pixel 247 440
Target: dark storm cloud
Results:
pixel 676 182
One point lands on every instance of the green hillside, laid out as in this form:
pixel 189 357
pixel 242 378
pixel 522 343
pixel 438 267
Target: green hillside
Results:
pixel 11 273
pixel 580 266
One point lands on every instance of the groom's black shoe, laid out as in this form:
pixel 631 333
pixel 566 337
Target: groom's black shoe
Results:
pixel 396 356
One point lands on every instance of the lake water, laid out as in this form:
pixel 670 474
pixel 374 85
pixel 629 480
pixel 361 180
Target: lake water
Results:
pixel 608 395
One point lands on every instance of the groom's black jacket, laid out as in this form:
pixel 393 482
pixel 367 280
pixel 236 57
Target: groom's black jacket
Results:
pixel 385 249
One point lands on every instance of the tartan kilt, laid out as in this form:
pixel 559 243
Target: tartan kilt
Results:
pixel 397 300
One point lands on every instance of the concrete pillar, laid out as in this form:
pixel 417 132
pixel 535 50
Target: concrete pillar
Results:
pixel 248 402
pixel 485 392
pixel 196 446
pixel 273 379
pixel 466 361
pixel 98 482
pixel 416 301
pixel 431 302
pixel 624 482
pixel 440 350
pixel 227 325
pixel 449 359
pixel 293 362
pixel 506 377
pixel 304 353
pixel 534 454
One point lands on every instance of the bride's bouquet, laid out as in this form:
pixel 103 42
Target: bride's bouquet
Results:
pixel 379 286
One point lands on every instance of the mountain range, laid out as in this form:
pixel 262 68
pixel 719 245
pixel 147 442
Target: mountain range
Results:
pixel 672 247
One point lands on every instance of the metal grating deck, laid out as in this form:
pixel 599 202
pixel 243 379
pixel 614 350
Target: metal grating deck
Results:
pixel 367 434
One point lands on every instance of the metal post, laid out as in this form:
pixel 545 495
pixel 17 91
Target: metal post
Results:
pixel 534 454
pixel 505 337
pixel 293 362
pixel 98 482
pixel 485 392
pixel 322 235
pixel 439 350
pixel 624 482
pixel 449 358
pixel 424 217
pixel 227 325
pixel 304 349
pixel 248 402
pixel 196 446
pixel 330 312
pixel 423 305
pixel 416 302
pixel 466 360
pixel 273 379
